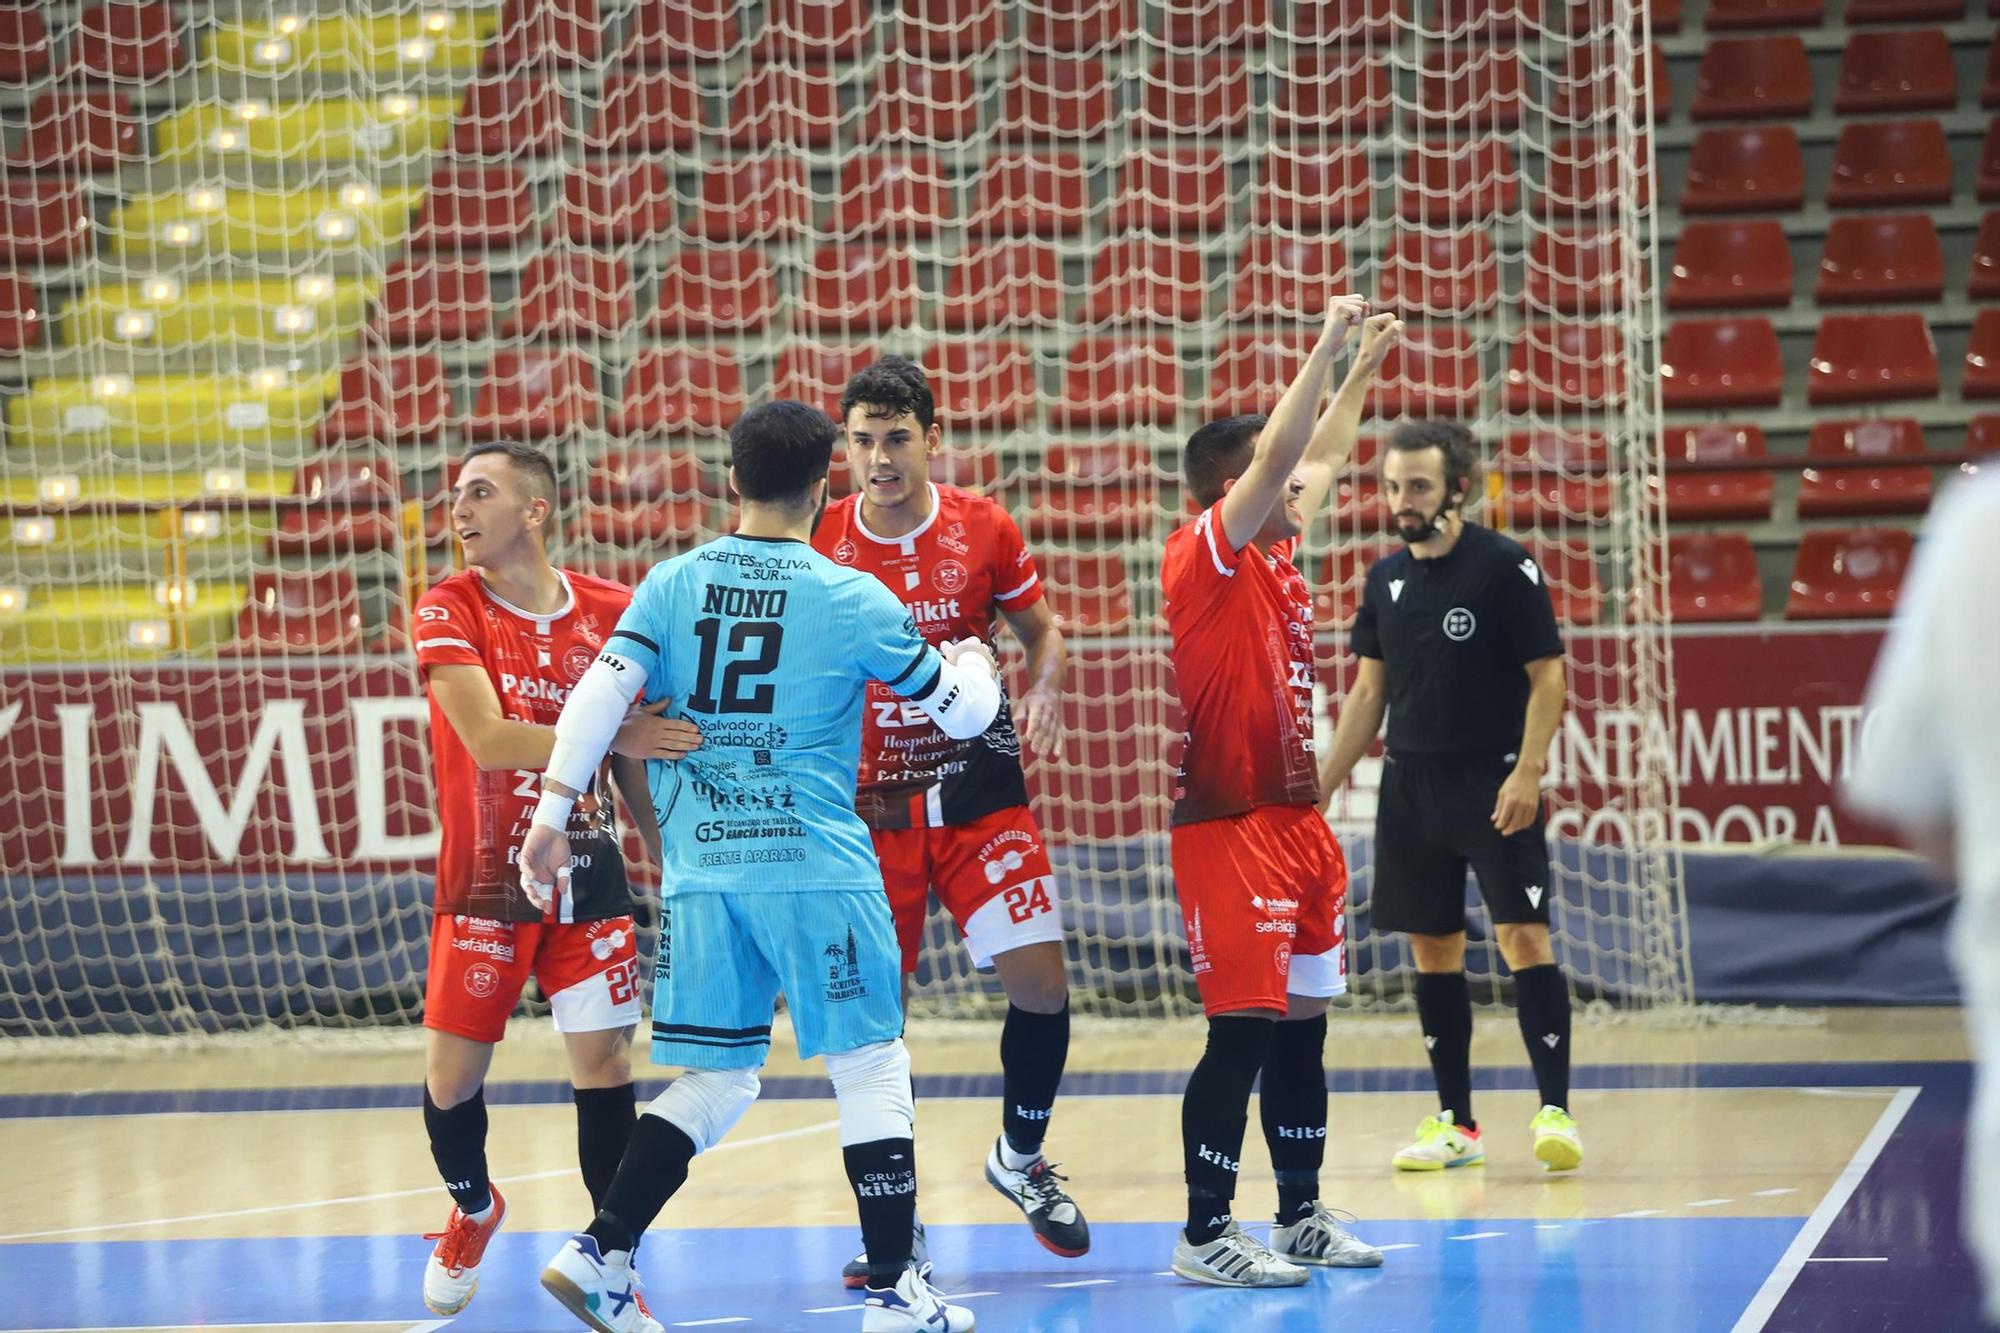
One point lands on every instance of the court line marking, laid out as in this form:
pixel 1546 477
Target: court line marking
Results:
pixel 1765 1303
pixel 704 1323
pixel 1708 1203
pixel 1781 1191
pixel 1082 1282
pixel 1477 1235
pixel 1637 1212
pixel 1399 1245
pixel 344 1200
pixel 830 1309
pixel 428 1326
pixel 961 1296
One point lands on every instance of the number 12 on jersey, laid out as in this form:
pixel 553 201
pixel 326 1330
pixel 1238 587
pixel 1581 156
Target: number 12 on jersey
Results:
pixel 752 651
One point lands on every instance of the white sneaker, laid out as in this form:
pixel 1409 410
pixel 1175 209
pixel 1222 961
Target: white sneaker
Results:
pixel 452 1274
pixel 1441 1144
pixel 913 1305
pixel 1321 1239
pixel 599 1289
pixel 1037 1191
pixel 1235 1259
pixel 854 1275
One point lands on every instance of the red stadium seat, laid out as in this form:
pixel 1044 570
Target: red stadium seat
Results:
pixel 546 34
pixel 952 29
pixel 815 30
pixel 1103 491
pixel 1482 20
pixel 1358 507
pixel 43 222
pixel 992 284
pixel 1114 382
pixel 1903 11
pixel 1844 492
pixel 576 295
pixel 1135 279
pixel 753 199
pixel 1872 259
pixel 1595 88
pixel 817 374
pixel 923 102
pixel 1745 171
pixel 1459 183
pixel 1890 162
pixel 1358 22
pixel 1434 371
pixel 1779 14
pixel 1570 452
pixel 1984 284
pixel 1251 370
pixel 1314 189
pixel 24 45
pixel 1896 71
pixel 1982 435
pixel 1545 500
pixel 1469 88
pixel 616 203
pixel 1721 363
pixel 1440 273
pixel 1342 578
pixel 435 300
pixel 1090 594
pixel 1747 78
pixel 647 113
pixel 1719 265
pixel 972 469
pixel 20 315
pixel 1565 367
pixel 785 104
pixel 474 208
pixel 904 194
pixel 1989 88
pixel 341 505
pixel 1989 163
pixel 1197 95
pixel 1586 172
pixel 712 289
pixel 72 131
pixel 982 384
pixel 680 391
pixel 1569 572
pixel 652 523
pixel 1712 577
pixel 860 287
pixel 1057 98
pixel 1287 277
pixel 1217 22
pixel 679 32
pixel 1023 195
pixel 1872 358
pixel 295 611
pixel 1982 357
pixel 1723 495
pixel 635 476
pixel 511 118
pixel 1848 575
pixel 1083 26
pixel 1331 93
pixel 1575 272
pixel 127 41
pixel 388 399
pixel 1180 190
pixel 534 393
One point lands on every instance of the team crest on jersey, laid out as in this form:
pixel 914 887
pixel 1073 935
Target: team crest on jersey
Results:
pixel 577 660
pixel 481 980
pixel 844 552
pixel 1459 624
pixel 843 971
pixel 949 577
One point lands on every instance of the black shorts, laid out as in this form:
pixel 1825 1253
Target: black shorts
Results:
pixel 1435 819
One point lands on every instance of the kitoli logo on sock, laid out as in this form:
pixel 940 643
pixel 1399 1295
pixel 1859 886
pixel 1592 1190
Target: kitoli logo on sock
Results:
pixel 1027 1114
pixel 1226 1162
pixel 1301 1131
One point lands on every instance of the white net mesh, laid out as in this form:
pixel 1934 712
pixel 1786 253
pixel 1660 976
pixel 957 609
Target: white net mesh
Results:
pixel 275 265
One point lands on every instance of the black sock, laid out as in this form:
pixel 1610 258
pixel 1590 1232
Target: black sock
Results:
pixel 884 1176
pixel 655 1167
pixel 458 1146
pixel 1214 1111
pixel 604 1118
pixel 1444 1008
pixel 1292 1104
pixel 1541 1002
pixel 1033 1050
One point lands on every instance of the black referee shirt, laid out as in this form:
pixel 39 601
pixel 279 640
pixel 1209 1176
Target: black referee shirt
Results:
pixel 1452 635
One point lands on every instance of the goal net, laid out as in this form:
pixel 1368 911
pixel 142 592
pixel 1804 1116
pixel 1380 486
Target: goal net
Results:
pixel 270 267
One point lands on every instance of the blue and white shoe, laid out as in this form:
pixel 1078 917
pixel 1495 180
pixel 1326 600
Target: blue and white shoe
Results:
pixel 913 1305
pixel 599 1289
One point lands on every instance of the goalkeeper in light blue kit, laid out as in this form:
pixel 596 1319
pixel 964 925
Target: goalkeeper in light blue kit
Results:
pixel 770 881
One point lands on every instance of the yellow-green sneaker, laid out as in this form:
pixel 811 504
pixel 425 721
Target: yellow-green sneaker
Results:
pixel 1440 1144
pixel 1558 1146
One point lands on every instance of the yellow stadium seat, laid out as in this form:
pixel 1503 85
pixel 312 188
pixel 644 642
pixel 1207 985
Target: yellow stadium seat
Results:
pixel 301 224
pixel 112 532
pixel 437 41
pixel 104 624
pixel 266 410
pixel 162 312
pixel 54 488
pixel 385 129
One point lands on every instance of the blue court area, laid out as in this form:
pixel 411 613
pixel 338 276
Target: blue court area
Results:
pixel 1640 1275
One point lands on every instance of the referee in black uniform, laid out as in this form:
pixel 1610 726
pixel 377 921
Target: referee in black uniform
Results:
pixel 1458 643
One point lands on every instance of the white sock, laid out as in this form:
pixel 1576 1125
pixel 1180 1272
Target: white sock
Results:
pixel 483 1213
pixel 1015 1161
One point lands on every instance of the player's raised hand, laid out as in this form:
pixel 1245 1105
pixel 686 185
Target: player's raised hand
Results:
pixel 1379 333
pixel 544 862
pixel 1038 715
pixel 954 652
pixel 646 734
pixel 1344 314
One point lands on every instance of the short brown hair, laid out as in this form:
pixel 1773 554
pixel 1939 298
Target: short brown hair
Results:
pixel 529 461
pixel 1449 438
pixel 1218 454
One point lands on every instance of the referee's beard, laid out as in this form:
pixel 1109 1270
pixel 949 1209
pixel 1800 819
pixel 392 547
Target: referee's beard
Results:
pixel 1415 529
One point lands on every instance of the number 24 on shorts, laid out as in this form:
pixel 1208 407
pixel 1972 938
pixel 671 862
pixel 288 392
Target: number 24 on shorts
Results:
pixel 1027 900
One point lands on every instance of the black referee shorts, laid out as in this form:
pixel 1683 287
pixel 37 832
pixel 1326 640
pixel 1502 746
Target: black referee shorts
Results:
pixel 1434 819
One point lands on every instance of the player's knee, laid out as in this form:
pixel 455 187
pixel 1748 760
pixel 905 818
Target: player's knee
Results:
pixel 1439 953
pixel 1524 945
pixel 705 1104
pixel 1039 990
pixel 871 1086
pixel 601 1059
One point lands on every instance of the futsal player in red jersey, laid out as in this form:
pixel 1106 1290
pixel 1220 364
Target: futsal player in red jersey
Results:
pixel 952 817
pixel 1261 880
pixel 500 646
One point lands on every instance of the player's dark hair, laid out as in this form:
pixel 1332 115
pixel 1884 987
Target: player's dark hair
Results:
pixel 1218 454
pixel 779 449
pixel 528 461
pixel 1449 438
pixel 889 387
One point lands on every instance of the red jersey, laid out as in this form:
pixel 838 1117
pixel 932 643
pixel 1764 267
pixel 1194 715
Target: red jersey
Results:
pixel 533 661
pixel 1243 661
pixel 965 563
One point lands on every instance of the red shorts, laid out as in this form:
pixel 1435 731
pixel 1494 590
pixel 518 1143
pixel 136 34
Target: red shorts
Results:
pixel 992 874
pixel 1264 899
pixel 479 967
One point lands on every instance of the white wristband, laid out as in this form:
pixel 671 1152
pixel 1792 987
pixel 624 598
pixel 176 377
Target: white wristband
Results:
pixel 552 811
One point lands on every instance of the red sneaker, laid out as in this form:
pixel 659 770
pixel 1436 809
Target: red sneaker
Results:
pixel 452 1274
